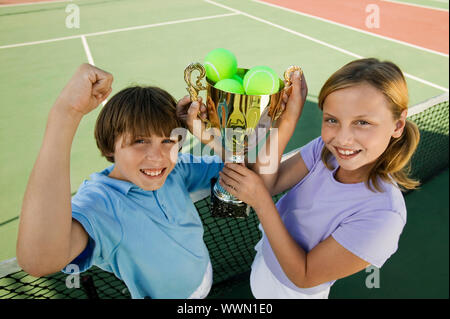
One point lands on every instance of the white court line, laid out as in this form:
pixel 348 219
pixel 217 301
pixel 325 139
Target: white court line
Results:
pixel 89 57
pixel 8 46
pixel 321 42
pixel 285 29
pixel 87 50
pixel 417 5
pixel 31 3
pixel 352 28
pixel 116 30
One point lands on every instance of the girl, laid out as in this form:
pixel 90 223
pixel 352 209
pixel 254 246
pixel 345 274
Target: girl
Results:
pixel 344 210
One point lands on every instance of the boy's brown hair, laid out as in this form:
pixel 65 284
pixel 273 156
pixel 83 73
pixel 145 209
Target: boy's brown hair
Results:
pixel 135 112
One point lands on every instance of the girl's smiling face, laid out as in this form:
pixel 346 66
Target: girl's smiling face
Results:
pixel 356 128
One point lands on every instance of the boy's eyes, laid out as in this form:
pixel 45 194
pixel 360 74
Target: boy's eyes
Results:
pixel 164 141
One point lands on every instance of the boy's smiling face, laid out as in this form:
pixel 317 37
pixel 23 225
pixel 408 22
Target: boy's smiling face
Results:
pixel 145 162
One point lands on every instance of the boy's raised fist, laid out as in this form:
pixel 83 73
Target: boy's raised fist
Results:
pixel 87 88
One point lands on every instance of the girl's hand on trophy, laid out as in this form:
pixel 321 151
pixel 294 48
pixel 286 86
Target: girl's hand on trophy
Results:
pixel 245 184
pixel 293 99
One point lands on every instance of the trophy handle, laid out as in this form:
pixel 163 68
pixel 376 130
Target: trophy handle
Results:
pixel 287 79
pixel 194 88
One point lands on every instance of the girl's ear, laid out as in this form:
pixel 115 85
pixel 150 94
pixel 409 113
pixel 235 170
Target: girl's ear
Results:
pixel 400 124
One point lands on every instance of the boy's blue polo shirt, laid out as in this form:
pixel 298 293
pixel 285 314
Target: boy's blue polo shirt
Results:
pixel 152 240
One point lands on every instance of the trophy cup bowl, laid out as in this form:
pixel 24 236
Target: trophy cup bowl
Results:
pixel 236 118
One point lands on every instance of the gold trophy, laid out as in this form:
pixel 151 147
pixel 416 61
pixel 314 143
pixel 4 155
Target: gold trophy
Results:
pixel 236 118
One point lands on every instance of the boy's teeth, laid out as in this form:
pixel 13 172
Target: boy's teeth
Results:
pixel 151 173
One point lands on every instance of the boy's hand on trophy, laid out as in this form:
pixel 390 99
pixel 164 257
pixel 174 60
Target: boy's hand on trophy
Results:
pixel 294 97
pixel 195 115
pixel 87 88
pixel 188 112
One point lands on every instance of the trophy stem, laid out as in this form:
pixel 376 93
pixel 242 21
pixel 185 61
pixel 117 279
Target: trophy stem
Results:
pixel 223 195
pixel 235 158
pixel 219 191
pixel 230 207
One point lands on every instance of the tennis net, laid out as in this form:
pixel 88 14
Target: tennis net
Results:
pixel 230 241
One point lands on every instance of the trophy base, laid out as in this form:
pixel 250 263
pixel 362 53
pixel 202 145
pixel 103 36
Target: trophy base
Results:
pixel 222 208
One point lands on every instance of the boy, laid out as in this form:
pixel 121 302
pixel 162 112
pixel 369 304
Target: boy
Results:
pixel 135 218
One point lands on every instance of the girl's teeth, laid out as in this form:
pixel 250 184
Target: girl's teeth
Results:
pixel 347 152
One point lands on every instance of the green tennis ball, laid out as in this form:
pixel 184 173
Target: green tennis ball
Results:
pixel 220 64
pixel 238 78
pixel 261 80
pixel 230 85
pixel 241 72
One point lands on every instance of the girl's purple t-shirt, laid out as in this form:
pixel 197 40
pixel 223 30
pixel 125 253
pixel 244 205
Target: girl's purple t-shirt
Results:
pixel 366 223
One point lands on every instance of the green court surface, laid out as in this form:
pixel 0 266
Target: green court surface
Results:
pixel 151 42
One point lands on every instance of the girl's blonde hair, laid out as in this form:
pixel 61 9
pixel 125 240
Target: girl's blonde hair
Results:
pixel 394 163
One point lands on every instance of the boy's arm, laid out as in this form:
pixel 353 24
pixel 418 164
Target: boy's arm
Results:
pixel 48 238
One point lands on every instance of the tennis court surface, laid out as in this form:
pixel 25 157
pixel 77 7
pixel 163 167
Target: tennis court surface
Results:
pixel 151 42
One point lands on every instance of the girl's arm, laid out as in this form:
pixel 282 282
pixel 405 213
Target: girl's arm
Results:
pixel 48 238
pixel 325 262
pixel 279 177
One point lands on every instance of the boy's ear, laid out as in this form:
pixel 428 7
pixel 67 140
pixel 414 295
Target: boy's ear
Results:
pixel 400 124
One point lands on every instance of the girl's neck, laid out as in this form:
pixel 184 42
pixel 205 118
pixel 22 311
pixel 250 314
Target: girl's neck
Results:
pixel 353 177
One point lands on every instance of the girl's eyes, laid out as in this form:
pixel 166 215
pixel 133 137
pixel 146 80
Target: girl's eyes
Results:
pixel 359 122
pixel 168 141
